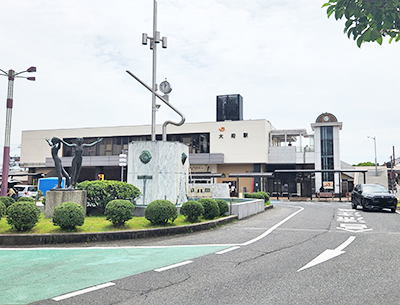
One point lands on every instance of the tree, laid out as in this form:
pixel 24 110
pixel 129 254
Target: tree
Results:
pixel 368 20
pixel 364 164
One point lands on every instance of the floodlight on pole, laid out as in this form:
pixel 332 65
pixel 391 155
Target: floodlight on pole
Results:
pixel 122 163
pixel 376 166
pixel 6 154
pixel 153 46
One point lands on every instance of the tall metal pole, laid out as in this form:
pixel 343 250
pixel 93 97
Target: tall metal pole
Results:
pixel 376 165
pixel 153 100
pixel 6 153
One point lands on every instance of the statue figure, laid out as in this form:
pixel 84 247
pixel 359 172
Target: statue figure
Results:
pixel 77 160
pixel 55 144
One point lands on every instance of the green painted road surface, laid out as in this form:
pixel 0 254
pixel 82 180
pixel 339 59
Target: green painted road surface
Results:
pixel 29 275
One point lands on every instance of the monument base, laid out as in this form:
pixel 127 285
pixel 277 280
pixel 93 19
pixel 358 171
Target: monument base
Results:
pixel 160 170
pixel 56 197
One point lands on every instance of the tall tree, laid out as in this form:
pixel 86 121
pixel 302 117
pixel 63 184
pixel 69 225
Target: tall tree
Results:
pixel 368 20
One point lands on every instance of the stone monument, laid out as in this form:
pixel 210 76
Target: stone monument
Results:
pixel 160 170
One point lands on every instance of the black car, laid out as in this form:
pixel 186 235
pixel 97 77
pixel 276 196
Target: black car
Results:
pixel 373 197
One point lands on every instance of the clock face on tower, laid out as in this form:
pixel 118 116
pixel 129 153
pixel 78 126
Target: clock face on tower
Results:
pixel 165 87
pixel 326 118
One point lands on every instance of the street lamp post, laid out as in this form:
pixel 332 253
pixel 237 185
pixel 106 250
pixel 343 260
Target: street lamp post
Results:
pixel 6 155
pixel 376 165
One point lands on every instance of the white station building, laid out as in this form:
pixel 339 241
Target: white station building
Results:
pixel 250 155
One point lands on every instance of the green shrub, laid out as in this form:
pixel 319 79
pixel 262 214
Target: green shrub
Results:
pixel 192 210
pixel 29 199
pixel 7 201
pixel 118 211
pixel 2 209
pixel 23 215
pixel 265 196
pixel 101 192
pixel 259 195
pixel 223 206
pixel 68 215
pixel 211 209
pixel 159 212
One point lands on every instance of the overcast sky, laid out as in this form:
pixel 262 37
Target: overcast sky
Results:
pixel 285 57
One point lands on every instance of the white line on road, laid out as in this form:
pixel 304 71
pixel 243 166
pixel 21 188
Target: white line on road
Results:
pixel 173 266
pixel 329 254
pixel 227 250
pixel 273 228
pixel 79 292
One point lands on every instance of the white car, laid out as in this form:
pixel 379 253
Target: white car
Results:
pixel 26 190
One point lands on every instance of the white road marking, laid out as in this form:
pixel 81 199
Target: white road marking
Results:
pixel 273 228
pixel 79 292
pixel 329 254
pixel 173 266
pixel 227 250
pixel 353 227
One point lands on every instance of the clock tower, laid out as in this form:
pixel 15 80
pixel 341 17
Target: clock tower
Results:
pixel 327 152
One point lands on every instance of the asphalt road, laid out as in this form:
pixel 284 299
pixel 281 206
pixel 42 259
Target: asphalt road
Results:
pixel 296 253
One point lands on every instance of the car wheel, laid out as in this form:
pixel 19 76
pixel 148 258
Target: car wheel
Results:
pixel 353 206
pixel 393 210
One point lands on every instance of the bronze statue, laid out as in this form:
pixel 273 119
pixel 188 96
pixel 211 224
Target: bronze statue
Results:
pixel 77 160
pixel 55 144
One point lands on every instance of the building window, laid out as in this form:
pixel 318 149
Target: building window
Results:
pixel 327 152
pixel 199 143
pixel 110 146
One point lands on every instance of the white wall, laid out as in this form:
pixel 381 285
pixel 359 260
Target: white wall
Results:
pixel 253 149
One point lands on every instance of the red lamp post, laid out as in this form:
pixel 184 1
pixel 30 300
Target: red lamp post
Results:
pixel 6 155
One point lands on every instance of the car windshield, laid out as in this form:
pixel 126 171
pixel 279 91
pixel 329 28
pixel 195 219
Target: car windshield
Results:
pixel 374 189
pixel 19 188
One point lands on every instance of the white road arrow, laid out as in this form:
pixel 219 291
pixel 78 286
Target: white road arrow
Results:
pixel 328 254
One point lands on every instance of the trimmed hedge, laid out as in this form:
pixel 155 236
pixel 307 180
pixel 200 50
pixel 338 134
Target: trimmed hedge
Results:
pixel 223 206
pixel 258 195
pixel 2 209
pixel 28 199
pixel 192 210
pixel 7 201
pixel 158 212
pixel 101 192
pixel 23 215
pixel 211 209
pixel 68 215
pixel 119 211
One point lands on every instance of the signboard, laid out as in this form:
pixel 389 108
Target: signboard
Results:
pixel 200 168
pixel 328 185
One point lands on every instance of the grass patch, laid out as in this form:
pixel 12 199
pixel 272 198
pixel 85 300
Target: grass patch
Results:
pixel 93 224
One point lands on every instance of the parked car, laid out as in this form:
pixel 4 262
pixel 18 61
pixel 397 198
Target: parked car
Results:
pixel 373 197
pixel 26 190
